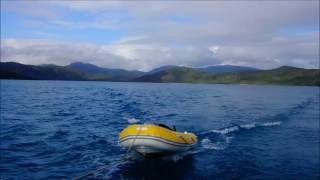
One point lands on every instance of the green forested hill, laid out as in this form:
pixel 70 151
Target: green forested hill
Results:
pixel 74 71
pixel 284 75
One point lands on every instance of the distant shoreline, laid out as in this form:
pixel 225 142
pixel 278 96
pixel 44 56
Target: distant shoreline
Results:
pixel 226 74
pixel 195 83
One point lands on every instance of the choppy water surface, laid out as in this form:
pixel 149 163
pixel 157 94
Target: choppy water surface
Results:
pixel 62 129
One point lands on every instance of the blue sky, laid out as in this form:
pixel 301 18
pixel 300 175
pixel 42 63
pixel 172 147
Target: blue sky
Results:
pixel 24 26
pixel 144 35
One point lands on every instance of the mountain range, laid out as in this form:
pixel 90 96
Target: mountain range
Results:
pixel 222 74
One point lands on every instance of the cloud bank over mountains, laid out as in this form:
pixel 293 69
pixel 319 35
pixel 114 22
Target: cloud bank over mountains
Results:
pixel 143 35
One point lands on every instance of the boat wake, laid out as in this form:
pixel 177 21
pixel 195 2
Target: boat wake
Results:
pixel 218 139
pixel 207 143
pixel 210 140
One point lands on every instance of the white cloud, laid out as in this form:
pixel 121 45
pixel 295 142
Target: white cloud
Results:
pixel 120 55
pixel 214 49
pixel 212 32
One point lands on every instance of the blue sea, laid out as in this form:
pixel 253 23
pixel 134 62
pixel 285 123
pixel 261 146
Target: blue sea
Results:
pixel 66 129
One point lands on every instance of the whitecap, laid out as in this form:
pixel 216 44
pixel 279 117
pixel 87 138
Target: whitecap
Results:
pixel 133 120
pixel 275 123
pixel 226 130
pixel 208 144
pixel 248 126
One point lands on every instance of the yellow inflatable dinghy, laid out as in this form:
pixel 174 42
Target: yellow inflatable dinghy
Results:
pixel 151 139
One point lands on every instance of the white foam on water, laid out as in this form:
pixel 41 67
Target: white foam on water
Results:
pixel 226 130
pixel 132 120
pixel 248 126
pixel 275 123
pixel 206 143
pixel 244 126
